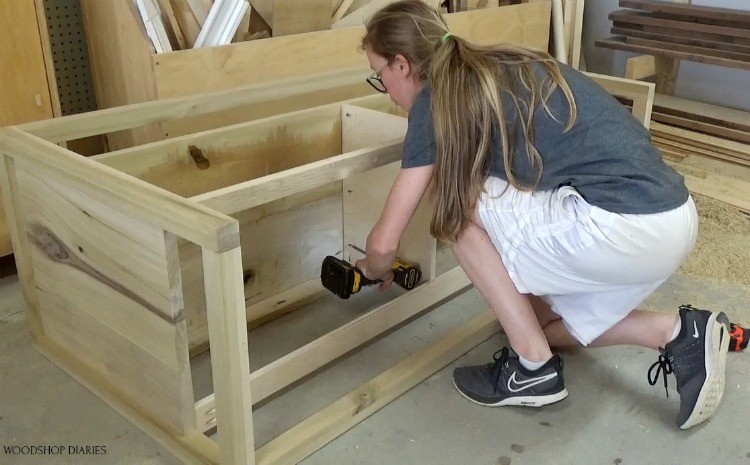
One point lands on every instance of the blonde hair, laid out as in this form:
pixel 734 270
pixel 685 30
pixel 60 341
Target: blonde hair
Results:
pixel 470 87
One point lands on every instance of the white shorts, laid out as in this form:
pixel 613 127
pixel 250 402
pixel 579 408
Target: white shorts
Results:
pixel 592 266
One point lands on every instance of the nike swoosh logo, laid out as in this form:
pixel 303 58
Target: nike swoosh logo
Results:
pixel 695 327
pixel 527 383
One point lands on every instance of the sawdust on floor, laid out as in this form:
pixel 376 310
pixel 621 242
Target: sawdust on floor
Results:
pixel 722 251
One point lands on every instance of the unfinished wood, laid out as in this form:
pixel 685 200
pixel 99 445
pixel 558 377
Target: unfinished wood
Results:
pixel 723 188
pixel 558 32
pixel 264 9
pixel 293 17
pixel 620 43
pixel 173 30
pixel 640 67
pixel 728 117
pixel 134 198
pixel 717 166
pixel 365 193
pixel 114 66
pixel 186 20
pixel 116 119
pixel 680 33
pixel 199 9
pixel 313 433
pixel 634 17
pixel 234 153
pixel 193 448
pixel 120 307
pixel 705 128
pixel 29 90
pixel 687 147
pixel 230 366
pixel 712 44
pixel 667 68
pixel 576 36
pixel 691 11
pixel 689 49
pixel 323 51
pixel 704 139
pixel 341 10
pixel 275 186
pixel 15 220
pixel 25 92
pixel 273 377
pixel 282 249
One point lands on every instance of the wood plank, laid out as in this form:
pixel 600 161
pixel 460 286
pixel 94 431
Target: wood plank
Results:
pixel 116 119
pixel 322 51
pixel 134 198
pixel 192 449
pixel 291 17
pixel 640 67
pixel 25 92
pixel 723 188
pixel 365 193
pixel 713 44
pixel 230 365
pixel 689 49
pixel 341 10
pixel 310 435
pixel 132 278
pixel 694 11
pixel 234 154
pixel 728 117
pixel 114 67
pixel 677 32
pixel 710 141
pixel 278 185
pixel 619 43
pixel 273 377
pixel 705 128
pixel 633 17
pixel 188 23
pixel 282 249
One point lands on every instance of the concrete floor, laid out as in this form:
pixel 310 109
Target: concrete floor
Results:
pixel 612 415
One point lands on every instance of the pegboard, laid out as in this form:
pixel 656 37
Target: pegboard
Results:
pixel 70 56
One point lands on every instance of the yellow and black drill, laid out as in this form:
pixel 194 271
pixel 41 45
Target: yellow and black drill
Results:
pixel 344 279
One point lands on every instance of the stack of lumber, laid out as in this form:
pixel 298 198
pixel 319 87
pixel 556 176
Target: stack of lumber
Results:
pixel 682 128
pixel 719 36
pixel 181 24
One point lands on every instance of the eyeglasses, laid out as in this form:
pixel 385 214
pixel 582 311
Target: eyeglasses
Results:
pixel 375 80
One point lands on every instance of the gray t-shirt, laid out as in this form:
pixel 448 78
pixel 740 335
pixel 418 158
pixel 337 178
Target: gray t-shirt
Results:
pixel 607 155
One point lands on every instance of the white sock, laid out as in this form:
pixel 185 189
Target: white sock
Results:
pixel 676 329
pixel 531 366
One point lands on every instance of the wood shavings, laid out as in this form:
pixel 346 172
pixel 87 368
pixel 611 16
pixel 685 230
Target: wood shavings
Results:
pixel 722 251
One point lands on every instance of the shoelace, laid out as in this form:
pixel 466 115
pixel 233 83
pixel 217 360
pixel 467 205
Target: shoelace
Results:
pixel 663 368
pixel 501 358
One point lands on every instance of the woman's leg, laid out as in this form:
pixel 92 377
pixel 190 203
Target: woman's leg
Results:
pixel 640 328
pixel 484 267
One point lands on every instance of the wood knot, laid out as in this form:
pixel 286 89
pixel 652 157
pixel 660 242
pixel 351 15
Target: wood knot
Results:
pixel 49 243
pixel 197 154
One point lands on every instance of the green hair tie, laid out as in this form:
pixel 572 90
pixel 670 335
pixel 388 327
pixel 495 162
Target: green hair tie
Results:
pixel 446 36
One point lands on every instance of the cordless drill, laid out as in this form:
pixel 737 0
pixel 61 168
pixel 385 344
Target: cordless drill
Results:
pixel 345 279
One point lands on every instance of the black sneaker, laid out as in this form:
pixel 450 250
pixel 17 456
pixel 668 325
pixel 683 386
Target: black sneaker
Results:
pixel 697 357
pixel 507 382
